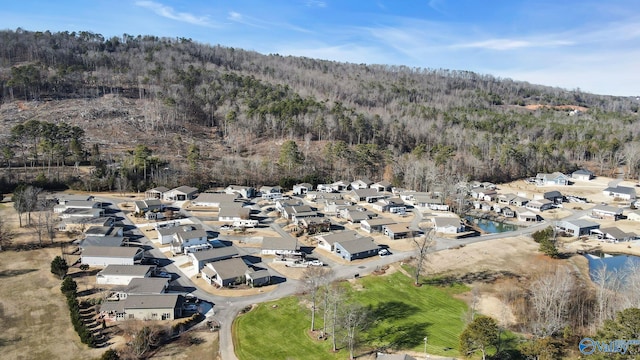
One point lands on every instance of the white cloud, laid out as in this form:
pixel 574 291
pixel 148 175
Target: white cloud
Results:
pixel 510 44
pixel 315 3
pixel 170 13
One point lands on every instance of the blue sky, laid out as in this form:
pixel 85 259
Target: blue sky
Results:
pixel 591 45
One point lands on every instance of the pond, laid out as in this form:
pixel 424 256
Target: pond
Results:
pixel 618 265
pixel 491 226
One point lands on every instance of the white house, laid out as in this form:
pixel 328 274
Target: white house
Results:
pixel 301 189
pixel 620 192
pixel 186 237
pixel 447 225
pixel 215 199
pixel 110 255
pixel 327 241
pixel 276 245
pixel 122 274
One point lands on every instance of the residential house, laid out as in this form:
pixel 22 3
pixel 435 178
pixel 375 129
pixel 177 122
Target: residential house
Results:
pixel 634 215
pixel 296 213
pixel 576 228
pixel 554 196
pixel 281 204
pixel 397 231
pixel 606 212
pixel 527 216
pixel 505 199
pixel 327 241
pixel 232 212
pixel 507 212
pixel 363 183
pixel 108 241
pixel 488 185
pixel 355 215
pixel 101 256
pixel 519 201
pixel 215 199
pixel 368 195
pixel 165 233
pixel 144 307
pixel 148 205
pixel 392 205
pixel 225 272
pixel 200 258
pixel 270 190
pixel 313 195
pixel 354 249
pixel 487 195
pixel 256 278
pixel 375 225
pixel 381 186
pixel 424 202
pixel 448 225
pixel 246 192
pixel 620 192
pixel 123 274
pixel 539 205
pixel 81 213
pixel 77 205
pixel 105 231
pixel 278 245
pixel 80 224
pixel 189 238
pixel 614 234
pixel 181 193
pixel 143 286
pixel 556 178
pixel 302 188
pixel 582 174
pixel 315 224
pixel 338 186
pixel 333 207
pixel 155 193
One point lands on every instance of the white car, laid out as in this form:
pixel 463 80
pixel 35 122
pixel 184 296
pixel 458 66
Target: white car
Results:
pixel 383 252
pixel 225 227
pixel 316 263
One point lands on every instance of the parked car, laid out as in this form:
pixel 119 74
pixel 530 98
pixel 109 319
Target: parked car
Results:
pixel 164 274
pixel 384 252
pixel 225 227
pixel 316 263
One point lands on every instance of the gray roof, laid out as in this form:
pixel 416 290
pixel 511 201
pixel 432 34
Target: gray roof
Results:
pixel 159 189
pixel 303 185
pixel 359 245
pixel 278 243
pixel 358 215
pixel 109 241
pixel 192 234
pixel 583 223
pixel 101 230
pixel 398 228
pixel 156 301
pixel 621 190
pixel 379 222
pixel 216 198
pixel 260 274
pixel 83 211
pixel 230 268
pixel 583 172
pixel 102 221
pixel 111 251
pixel 215 253
pixel 607 208
pixel 383 183
pixel 552 194
pixel 615 232
pixel 126 270
pixel 440 221
pixel 367 192
pixel 233 210
pixel 340 236
pixel 185 189
pixel 182 228
pixel 146 286
pixel 81 204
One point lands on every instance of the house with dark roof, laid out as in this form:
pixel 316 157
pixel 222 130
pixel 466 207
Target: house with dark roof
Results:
pixel 101 256
pixel 620 192
pixel 123 274
pixel 315 224
pixel 358 248
pixel 365 194
pixel 554 196
pixel 144 307
pixel 225 272
pixel 148 205
pixel 105 231
pixel 614 234
pixel 109 241
pixel 200 258
pixel 393 205
pixel 539 205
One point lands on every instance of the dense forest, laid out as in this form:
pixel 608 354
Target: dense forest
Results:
pixel 181 111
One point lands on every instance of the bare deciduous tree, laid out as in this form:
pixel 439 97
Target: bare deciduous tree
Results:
pixel 354 319
pixel 550 301
pixel 6 235
pixel 313 279
pixel 422 246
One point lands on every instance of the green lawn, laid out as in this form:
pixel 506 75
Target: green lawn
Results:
pixel 403 315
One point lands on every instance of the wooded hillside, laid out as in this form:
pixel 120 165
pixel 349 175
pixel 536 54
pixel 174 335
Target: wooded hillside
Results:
pixel 215 115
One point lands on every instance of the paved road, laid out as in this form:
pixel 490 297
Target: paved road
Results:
pixel 227 308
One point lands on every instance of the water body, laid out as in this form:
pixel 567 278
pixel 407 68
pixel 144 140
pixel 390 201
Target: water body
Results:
pixel 616 265
pixel 491 226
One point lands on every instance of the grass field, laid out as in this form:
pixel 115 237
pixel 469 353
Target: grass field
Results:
pixel 403 315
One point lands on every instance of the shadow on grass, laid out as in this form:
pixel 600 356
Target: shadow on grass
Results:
pixel 405 336
pixel 392 310
pixel 16 272
pixel 482 276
